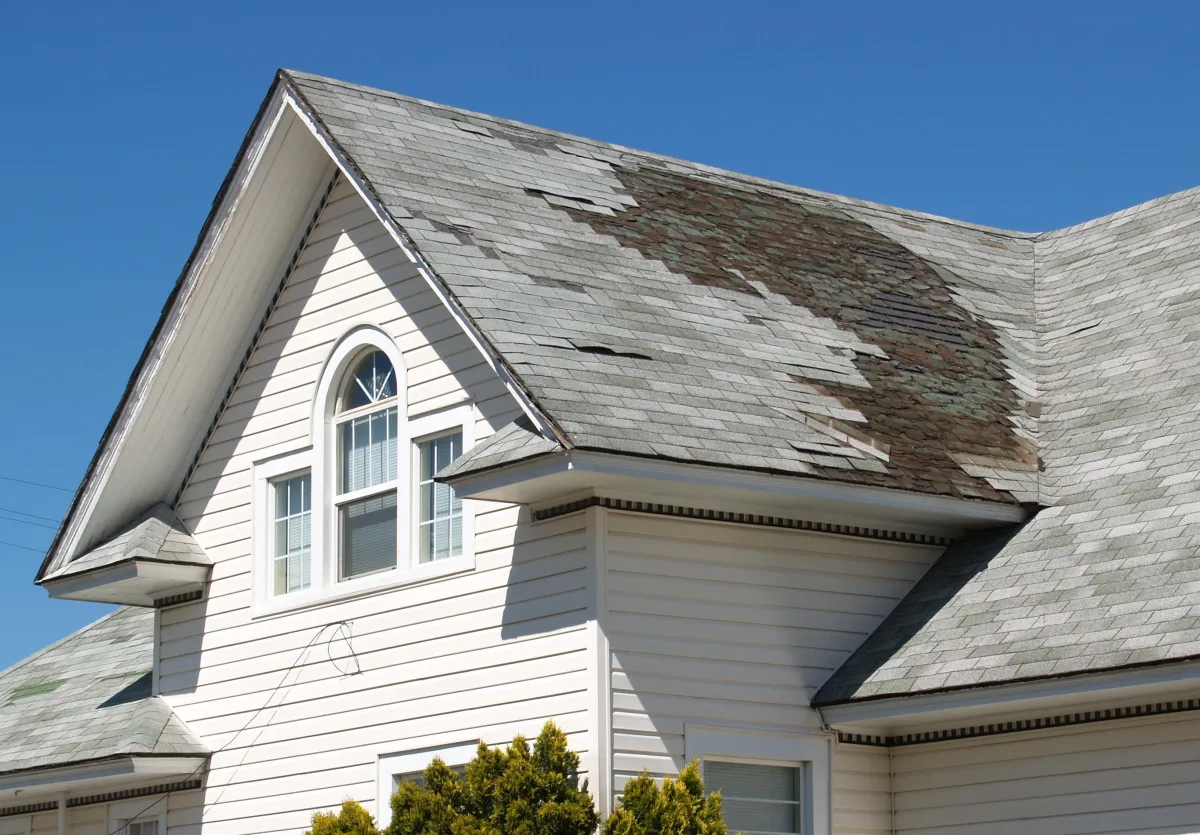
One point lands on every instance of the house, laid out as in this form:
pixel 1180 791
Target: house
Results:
pixel 452 425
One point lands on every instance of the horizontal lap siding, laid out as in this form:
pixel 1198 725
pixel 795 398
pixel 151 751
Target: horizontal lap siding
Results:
pixel 484 655
pixel 1129 776
pixel 734 625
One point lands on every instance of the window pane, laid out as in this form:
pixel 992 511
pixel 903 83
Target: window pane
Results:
pixel 293 533
pixel 440 508
pixel 756 816
pixel 756 798
pixel 143 828
pixel 373 380
pixel 368 450
pixel 368 535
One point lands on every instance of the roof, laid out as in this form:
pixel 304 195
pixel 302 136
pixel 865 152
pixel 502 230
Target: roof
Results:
pixel 158 536
pixel 654 307
pixel 87 698
pixel 659 308
pixel 1109 576
pixel 516 441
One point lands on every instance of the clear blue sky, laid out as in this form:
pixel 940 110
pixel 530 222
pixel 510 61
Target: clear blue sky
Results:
pixel 118 122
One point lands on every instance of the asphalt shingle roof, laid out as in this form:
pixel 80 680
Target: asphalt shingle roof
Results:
pixel 657 307
pixel 88 698
pixel 157 535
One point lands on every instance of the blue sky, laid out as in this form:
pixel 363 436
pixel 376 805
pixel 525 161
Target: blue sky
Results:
pixel 119 120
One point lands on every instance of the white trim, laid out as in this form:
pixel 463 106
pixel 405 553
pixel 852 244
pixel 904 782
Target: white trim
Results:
pixel 599 758
pixel 131 766
pixel 103 585
pixel 106 457
pixel 456 312
pixel 389 765
pixel 813 752
pixel 990 702
pixel 138 810
pixel 578 470
pixel 16 825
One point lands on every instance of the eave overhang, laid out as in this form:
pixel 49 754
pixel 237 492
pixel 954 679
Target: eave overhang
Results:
pixel 96 776
pixel 131 582
pixel 551 478
pixel 1134 687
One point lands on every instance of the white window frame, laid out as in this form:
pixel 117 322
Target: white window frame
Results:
pixel 320 460
pixel 813 753
pixel 389 766
pixel 125 812
pixel 16 825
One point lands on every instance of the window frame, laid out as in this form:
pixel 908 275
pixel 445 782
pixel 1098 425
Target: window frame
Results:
pixel 124 812
pixel 812 753
pixel 321 460
pixel 389 766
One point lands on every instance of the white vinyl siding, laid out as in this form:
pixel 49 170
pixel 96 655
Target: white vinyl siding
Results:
pixel 1124 776
pixel 717 624
pixel 486 653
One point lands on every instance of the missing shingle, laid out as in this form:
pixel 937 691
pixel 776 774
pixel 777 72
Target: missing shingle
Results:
pixel 547 281
pixel 608 351
pixel 460 233
pixel 757 320
pixel 1072 330
pixel 467 127
pixel 569 201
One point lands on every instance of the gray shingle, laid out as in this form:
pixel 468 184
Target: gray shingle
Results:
pixel 88 697
pixel 157 535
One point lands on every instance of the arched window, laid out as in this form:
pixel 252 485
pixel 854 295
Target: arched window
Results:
pixel 366 428
pixel 360 508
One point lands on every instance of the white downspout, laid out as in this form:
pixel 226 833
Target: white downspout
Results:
pixel 62 814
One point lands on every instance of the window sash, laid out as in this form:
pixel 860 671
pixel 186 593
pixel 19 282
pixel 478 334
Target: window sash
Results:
pixel 291 532
pixel 758 798
pixel 439 510
pixel 367 449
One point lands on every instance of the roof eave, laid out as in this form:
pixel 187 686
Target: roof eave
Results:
pixel 544 478
pixel 1007 701
pixel 135 581
pixel 216 211
pixel 101 773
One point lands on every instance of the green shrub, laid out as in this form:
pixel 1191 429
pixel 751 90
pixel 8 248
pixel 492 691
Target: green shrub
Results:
pixel 678 808
pixel 353 819
pixel 511 792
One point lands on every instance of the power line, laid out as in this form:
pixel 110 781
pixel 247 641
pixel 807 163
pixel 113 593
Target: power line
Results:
pixel 23 547
pixel 30 515
pixel 28 522
pixel 35 484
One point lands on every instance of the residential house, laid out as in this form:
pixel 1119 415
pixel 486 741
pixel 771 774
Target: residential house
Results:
pixel 452 425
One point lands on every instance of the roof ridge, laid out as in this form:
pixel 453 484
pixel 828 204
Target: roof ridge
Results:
pixel 747 179
pixel 39 653
pixel 1128 211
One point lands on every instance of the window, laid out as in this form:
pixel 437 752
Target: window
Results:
pixel 292 533
pixel 366 500
pixel 138 816
pixel 756 798
pixel 394 769
pixel 360 510
pixel 143 828
pixel 770 781
pixel 440 529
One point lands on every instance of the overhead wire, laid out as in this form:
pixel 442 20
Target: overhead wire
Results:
pixel 342 628
pixel 36 484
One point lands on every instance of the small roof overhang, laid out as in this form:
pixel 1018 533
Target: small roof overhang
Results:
pixel 152 561
pixel 96 776
pixel 1134 687
pixel 548 476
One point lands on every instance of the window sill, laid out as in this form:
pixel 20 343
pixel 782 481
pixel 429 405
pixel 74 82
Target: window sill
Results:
pixel 367 586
